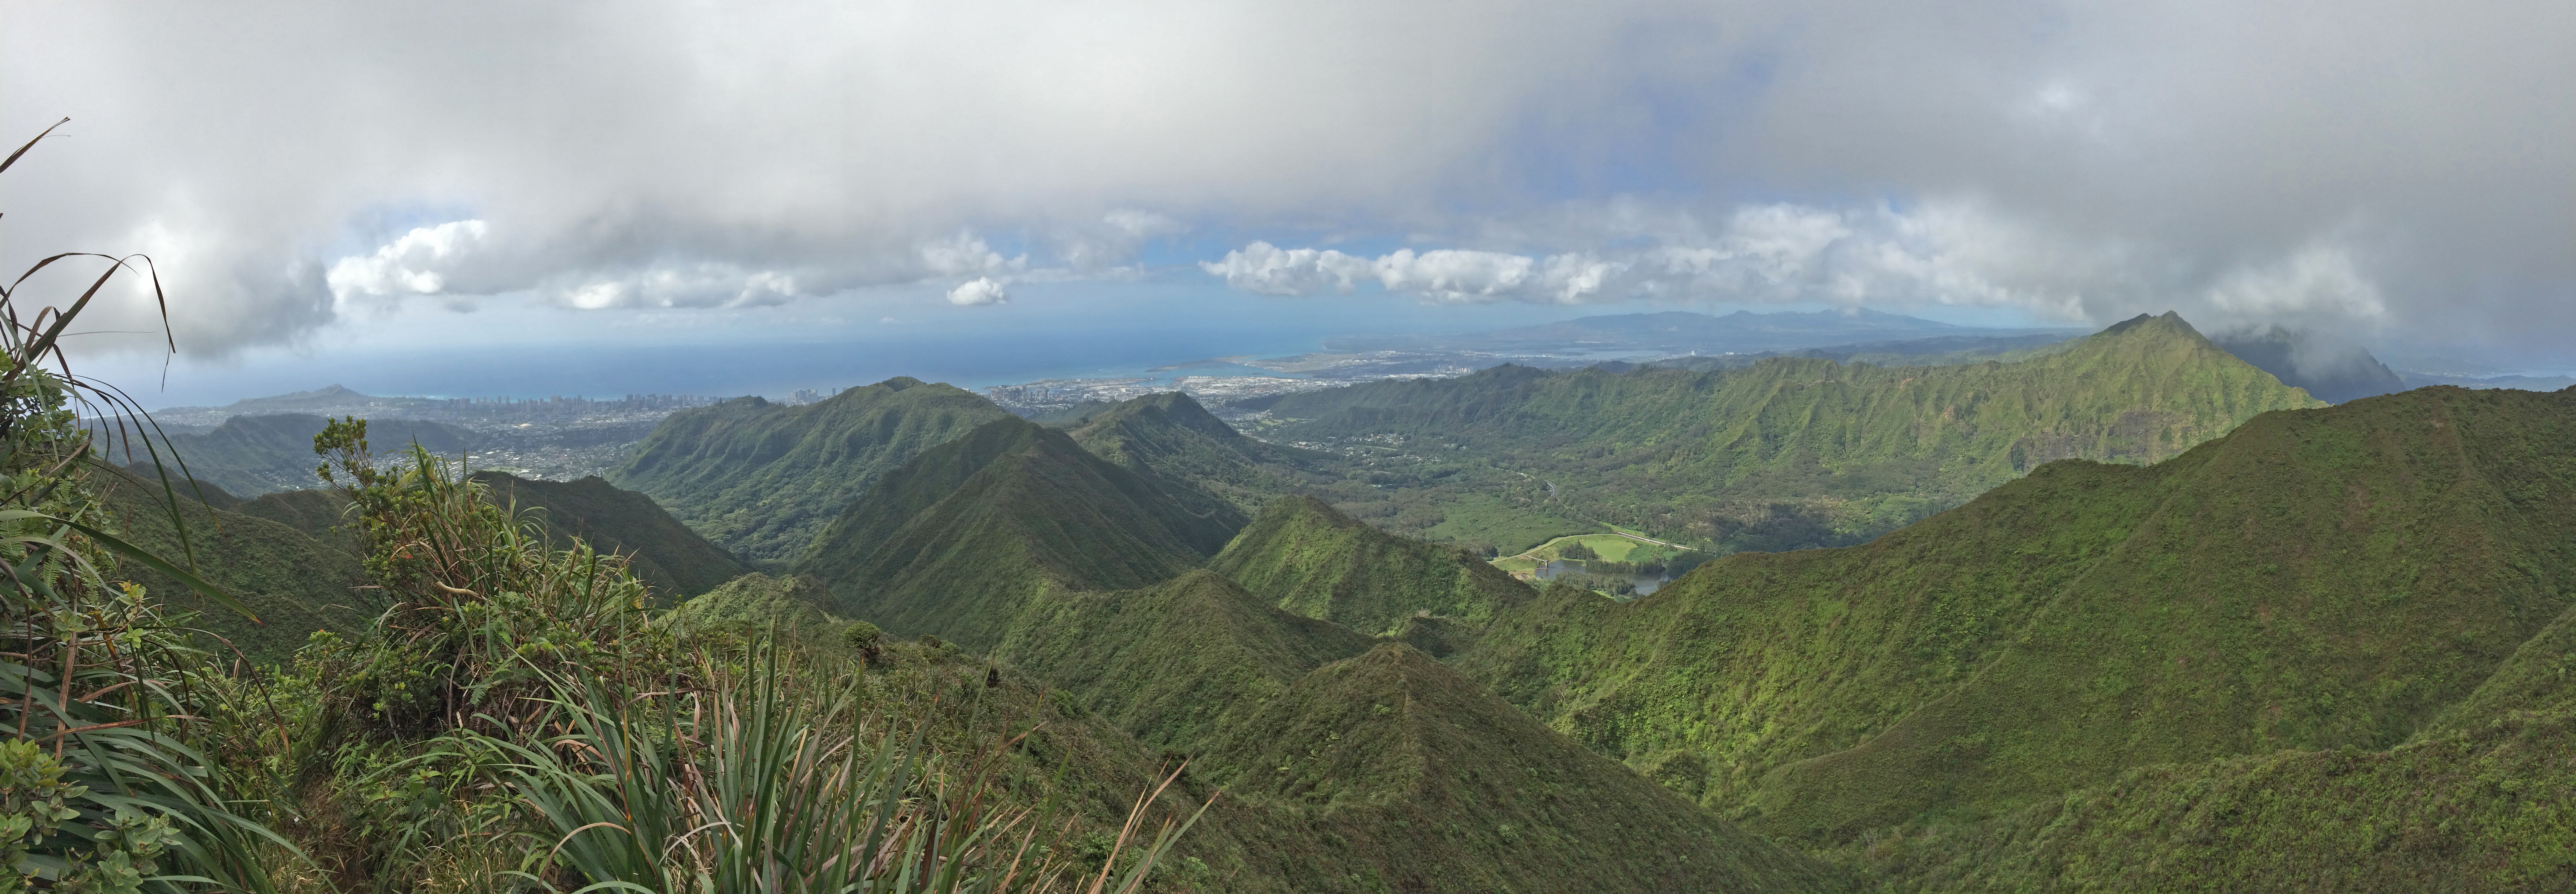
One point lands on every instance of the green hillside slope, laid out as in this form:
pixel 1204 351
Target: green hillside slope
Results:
pixel 954 540
pixel 1173 662
pixel 1791 453
pixel 762 479
pixel 252 455
pixel 1171 437
pixel 318 512
pixel 2314 580
pixel 673 560
pixel 1424 781
pixel 1303 556
pixel 296 584
pixel 2474 803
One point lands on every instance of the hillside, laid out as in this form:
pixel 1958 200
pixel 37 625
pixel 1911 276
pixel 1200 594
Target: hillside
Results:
pixel 1308 559
pixel 1169 436
pixel 296 584
pixel 2312 582
pixel 957 538
pixel 318 512
pixel 1171 663
pixel 673 560
pixel 1791 453
pixel 252 455
pixel 763 479
pixel 1429 783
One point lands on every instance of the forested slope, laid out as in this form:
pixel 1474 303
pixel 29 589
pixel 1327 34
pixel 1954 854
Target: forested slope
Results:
pixel 763 479
pixel 2315 581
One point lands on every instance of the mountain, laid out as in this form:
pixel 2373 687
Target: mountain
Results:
pixel 1308 559
pixel 1169 436
pixel 1172 662
pixel 955 539
pixel 2337 580
pixel 1675 332
pixel 762 479
pixel 673 560
pixel 1792 453
pixel 294 583
pixel 2331 371
pixel 251 455
pixel 320 513
pixel 1429 783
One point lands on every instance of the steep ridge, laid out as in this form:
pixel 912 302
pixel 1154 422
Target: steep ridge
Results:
pixel 295 583
pixel 1430 783
pixel 762 479
pixel 955 540
pixel 1303 556
pixel 1173 662
pixel 2473 803
pixel 1171 437
pixel 673 560
pixel 253 455
pixel 315 511
pixel 1703 456
pixel 2313 580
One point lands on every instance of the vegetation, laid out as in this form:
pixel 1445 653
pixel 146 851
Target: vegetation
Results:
pixel 673 560
pixel 763 479
pixel 1308 559
pixel 252 455
pixel 2315 581
pixel 1786 453
pixel 953 541
pixel 294 584
pixel 1170 437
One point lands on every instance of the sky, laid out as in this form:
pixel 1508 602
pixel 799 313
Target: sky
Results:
pixel 437 196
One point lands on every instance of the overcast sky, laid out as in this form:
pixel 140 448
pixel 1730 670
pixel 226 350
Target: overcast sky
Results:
pixel 310 175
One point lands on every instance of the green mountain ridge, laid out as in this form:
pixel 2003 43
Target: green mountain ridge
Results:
pixel 1436 785
pixel 1309 559
pixel 256 454
pixel 674 560
pixel 1169 436
pixel 2312 581
pixel 295 583
pixel 762 480
pixel 1792 453
pixel 954 540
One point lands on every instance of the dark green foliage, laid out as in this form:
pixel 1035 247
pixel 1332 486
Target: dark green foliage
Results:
pixel 2315 580
pixel 752 606
pixel 1169 436
pixel 1170 663
pixel 321 513
pixel 252 455
pixel 957 538
pixel 1850 452
pixel 763 479
pixel 673 560
pixel 294 583
pixel 1303 556
pixel 1420 780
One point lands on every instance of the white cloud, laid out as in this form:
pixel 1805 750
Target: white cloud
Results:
pixel 978 292
pixel 2125 154
pixel 694 286
pixel 415 264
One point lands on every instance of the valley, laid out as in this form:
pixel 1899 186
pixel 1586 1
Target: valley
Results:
pixel 2037 621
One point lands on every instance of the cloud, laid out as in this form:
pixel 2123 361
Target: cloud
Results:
pixel 978 292
pixel 411 265
pixel 2080 159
